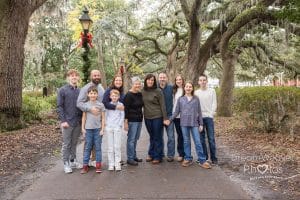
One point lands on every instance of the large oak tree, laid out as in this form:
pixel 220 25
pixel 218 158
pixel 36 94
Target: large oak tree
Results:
pixel 14 20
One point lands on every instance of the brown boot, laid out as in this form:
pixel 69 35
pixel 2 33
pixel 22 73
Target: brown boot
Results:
pixel 84 169
pixel 149 159
pixel 155 162
pixel 98 167
pixel 205 165
pixel 186 163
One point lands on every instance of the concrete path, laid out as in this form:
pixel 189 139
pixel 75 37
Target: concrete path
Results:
pixel 146 181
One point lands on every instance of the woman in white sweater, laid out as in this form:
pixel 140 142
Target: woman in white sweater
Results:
pixel 177 93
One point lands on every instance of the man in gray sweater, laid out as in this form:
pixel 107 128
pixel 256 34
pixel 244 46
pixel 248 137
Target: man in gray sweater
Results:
pixel 95 77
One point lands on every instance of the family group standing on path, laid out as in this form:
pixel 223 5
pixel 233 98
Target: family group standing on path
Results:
pixel 96 112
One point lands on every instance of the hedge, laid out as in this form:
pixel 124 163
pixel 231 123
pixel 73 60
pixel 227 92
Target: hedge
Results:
pixel 270 108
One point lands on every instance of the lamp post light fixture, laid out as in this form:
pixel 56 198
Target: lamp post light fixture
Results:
pixel 86 41
pixel 85 20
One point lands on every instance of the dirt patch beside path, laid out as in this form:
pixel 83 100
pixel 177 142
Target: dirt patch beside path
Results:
pixel 26 152
pixel 265 164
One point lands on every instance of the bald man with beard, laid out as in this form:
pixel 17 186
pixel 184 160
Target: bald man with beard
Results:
pixel 82 98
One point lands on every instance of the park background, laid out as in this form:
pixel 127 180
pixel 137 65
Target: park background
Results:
pixel 249 49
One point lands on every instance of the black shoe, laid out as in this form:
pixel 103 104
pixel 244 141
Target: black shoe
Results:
pixel 122 162
pixel 214 162
pixel 170 159
pixel 132 162
pixel 138 160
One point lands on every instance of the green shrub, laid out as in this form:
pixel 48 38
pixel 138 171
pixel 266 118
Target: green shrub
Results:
pixel 33 93
pixel 51 100
pixel 34 106
pixel 270 108
pixel 30 108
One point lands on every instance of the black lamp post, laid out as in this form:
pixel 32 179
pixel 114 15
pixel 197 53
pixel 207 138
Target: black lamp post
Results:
pixel 86 23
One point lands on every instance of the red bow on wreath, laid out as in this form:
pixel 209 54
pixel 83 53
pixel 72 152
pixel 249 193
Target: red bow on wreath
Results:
pixel 89 38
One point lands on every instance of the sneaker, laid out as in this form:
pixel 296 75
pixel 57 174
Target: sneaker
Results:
pixel 132 162
pixel 170 159
pixel 205 165
pixel 118 168
pixel 179 159
pixel 122 162
pixel 75 165
pixel 84 169
pixel 67 168
pixel 214 162
pixel 92 163
pixel 187 163
pixel 138 160
pixel 98 167
pixel 111 168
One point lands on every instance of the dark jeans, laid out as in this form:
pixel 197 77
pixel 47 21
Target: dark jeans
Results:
pixel 155 130
pixel 180 149
pixel 171 140
pixel 134 132
pixel 208 129
pixel 92 138
pixel 187 131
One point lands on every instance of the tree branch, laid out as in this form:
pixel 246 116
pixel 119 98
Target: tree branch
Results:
pixel 240 21
pixel 153 40
pixel 35 4
pixel 268 53
pixel 260 11
pixel 195 13
pixel 185 10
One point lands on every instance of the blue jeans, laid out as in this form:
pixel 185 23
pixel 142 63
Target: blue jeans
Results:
pixel 134 132
pixel 209 129
pixel 155 130
pixel 92 137
pixel 180 149
pixel 171 140
pixel 187 143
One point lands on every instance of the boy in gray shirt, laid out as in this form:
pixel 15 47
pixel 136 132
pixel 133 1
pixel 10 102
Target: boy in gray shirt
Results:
pixel 92 130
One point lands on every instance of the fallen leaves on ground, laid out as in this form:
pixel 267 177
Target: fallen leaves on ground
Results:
pixel 22 149
pixel 272 158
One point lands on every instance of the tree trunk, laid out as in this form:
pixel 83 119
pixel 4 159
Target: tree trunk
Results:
pixel 126 80
pixel 172 68
pixel 193 18
pixel 13 30
pixel 227 84
pixel 193 53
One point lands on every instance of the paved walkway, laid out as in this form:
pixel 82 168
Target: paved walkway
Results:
pixel 146 181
